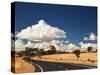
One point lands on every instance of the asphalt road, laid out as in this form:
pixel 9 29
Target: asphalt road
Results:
pixel 43 66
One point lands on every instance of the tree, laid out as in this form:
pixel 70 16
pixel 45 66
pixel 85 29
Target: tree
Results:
pixel 52 50
pixel 90 49
pixel 39 52
pixel 42 52
pixel 34 51
pixel 77 53
pixel 21 53
pixel 52 47
pixel 26 54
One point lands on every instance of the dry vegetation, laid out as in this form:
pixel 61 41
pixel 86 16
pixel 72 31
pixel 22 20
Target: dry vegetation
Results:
pixel 21 66
pixel 85 58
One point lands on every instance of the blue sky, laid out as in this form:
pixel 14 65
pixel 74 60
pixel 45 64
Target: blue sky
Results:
pixel 76 21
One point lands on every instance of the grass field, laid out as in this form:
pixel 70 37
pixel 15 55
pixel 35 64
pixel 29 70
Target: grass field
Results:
pixel 21 66
pixel 85 58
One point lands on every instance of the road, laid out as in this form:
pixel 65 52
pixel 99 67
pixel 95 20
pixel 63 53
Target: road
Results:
pixel 44 66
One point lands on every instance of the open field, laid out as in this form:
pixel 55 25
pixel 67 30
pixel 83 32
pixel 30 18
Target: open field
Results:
pixel 85 58
pixel 21 66
pixel 54 62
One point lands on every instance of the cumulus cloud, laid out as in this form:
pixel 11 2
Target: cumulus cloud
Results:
pixel 59 42
pixel 19 45
pixel 84 46
pixel 43 45
pixel 71 47
pixel 41 32
pixel 91 37
pixel 86 38
pixel 66 41
pixel 66 47
pixel 29 44
pixel 46 45
pixel 55 42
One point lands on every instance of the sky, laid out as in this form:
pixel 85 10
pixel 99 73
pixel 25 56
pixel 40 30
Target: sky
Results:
pixel 78 22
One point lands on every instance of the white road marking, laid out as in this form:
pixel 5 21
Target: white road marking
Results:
pixel 60 66
pixel 38 66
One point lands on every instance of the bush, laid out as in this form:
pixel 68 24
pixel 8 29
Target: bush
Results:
pixel 77 53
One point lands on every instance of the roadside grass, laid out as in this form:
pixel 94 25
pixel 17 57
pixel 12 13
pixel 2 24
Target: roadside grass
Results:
pixel 85 58
pixel 21 66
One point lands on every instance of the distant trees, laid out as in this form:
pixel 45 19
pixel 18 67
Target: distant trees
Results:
pixel 77 52
pixel 39 52
pixel 51 51
pixel 90 49
pixel 21 53
pixel 31 51
pixel 28 52
pixel 52 47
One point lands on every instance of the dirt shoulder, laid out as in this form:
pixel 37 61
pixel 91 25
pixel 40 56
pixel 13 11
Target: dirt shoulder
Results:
pixel 21 66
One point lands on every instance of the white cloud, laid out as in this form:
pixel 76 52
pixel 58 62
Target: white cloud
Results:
pixel 59 42
pixel 71 47
pixel 67 48
pixel 29 44
pixel 66 41
pixel 86 38
pixel 91 37
pixel 84 46
pixel 19 45
pixel 41 32
pixel 55 42
pixel 62 48
pixel 44 45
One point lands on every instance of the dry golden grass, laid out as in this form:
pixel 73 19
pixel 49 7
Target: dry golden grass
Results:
pixel 21 66
pixel 85 58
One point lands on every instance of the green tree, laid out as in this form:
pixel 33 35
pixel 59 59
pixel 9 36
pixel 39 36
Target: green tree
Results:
pixel 39 52
pixel 77 53
pixel 52 47
pixel 90 49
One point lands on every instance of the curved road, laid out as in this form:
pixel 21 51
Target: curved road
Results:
pixel 43 66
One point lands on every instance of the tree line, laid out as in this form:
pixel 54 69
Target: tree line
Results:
pixel 29 52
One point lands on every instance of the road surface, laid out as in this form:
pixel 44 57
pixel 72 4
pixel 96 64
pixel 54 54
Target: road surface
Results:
pixel 44 66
